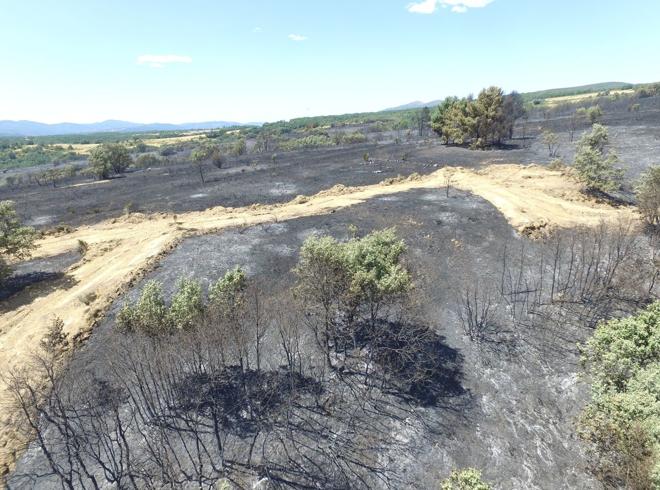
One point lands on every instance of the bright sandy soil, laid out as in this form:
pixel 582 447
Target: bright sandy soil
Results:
pixel 571 99
pixel 85 148
pixel 121 250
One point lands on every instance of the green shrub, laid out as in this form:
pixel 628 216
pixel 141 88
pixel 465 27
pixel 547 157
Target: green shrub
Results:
pixel 622 422
pixel 228 299
pixel 311 141
pixel 187 305
pixel 152 316
pixel 648 195
pixel 167 151
pixel 556 164
pixel 594 164
pixel 239 148
pixel 466 479
pixel 148 315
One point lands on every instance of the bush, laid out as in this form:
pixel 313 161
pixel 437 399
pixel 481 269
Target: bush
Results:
pixel 353 138
pixel 466 479
pixel 83 247
pixel 148 315
pixel 187 305
pixel 239 148
pixel 556 164
pixel 311 141
pixel 147 160
pixel 622 422
pixel 594 114
pixel 551 140
pixel 594 164
pixel 151 315
pixel 648 195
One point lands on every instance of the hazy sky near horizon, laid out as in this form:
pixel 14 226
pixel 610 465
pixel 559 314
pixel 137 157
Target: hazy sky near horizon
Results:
pixel 264 60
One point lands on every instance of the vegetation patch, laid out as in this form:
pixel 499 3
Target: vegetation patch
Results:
pixel 622 422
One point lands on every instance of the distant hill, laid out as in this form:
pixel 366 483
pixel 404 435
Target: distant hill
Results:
pixel 31 128
pixel 418 104
pixel 539 95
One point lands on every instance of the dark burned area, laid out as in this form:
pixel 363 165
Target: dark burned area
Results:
pixel 495 387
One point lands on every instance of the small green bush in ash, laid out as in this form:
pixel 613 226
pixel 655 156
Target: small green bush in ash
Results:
pixel 466 479
pixel 151 315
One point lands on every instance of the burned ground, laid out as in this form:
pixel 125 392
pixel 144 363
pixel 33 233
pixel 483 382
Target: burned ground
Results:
pixel 511 415
pixel 278 177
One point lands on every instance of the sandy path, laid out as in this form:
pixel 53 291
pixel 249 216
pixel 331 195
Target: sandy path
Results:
pixel 122 250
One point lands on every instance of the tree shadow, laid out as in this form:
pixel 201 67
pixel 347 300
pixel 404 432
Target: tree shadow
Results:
pixel 244 401
pixel 22 289
pixel 413 362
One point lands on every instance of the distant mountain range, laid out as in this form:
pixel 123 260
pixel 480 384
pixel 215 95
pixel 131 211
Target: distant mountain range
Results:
pixel 32 128
pixel 529 96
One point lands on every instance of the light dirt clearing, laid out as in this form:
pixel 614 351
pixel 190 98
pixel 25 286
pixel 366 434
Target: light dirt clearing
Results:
pixel 121 250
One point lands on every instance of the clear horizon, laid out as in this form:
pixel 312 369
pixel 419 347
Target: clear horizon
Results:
pixel 84 62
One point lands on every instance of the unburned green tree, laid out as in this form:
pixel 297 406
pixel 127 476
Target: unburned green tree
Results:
pixel 343 283
pixel 594 114
pixel 108 159
pixel 16 240
pixel 647 192
pixel 227 297
pixel 487 111
pixel 484 121
pixel 594 164
pixel 439 118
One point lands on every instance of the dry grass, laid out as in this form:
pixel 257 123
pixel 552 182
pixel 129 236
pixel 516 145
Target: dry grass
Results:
pixel 572 99
pixel 86 148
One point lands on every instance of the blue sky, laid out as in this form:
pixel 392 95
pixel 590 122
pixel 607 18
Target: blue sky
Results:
pixel 263 60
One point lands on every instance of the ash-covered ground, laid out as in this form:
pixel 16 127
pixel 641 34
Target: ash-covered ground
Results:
pixel 508 411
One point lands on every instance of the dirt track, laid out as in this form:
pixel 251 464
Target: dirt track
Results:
pixel 530 197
